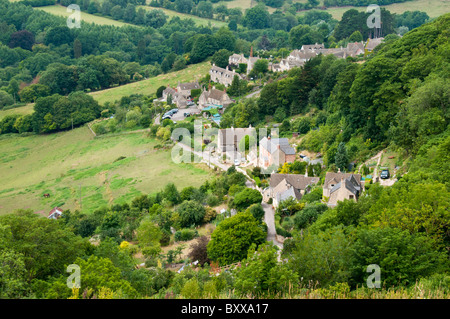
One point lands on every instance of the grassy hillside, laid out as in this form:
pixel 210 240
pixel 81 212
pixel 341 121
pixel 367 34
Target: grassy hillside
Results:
pixel 65 163
pixel 149 86
pixel 197 20
pixel 86 17
pixel 23 110
pixel 433 8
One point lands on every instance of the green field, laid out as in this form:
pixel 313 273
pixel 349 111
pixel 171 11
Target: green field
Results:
pixel 197 20
pixel 149 86
pixel 86 17
pixel 433 8
pixel 22 110
pixel 71 164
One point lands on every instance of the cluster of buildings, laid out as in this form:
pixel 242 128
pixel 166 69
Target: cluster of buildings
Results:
pixel 277 151
pixel 296 58
pixel 209 98
pixel 337 187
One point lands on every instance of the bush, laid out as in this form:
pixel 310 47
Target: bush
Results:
pixel 282 232
pixel 210 215
pixel 212 200
pixel 186 234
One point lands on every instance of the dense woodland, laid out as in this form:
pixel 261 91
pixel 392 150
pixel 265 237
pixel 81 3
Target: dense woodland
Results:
pixel 346 109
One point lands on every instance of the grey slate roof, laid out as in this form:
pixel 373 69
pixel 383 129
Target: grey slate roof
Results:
pixel 290 192
pixel 298 181
pixel 272 145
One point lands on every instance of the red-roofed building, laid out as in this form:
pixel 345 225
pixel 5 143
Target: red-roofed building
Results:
pixel 55 213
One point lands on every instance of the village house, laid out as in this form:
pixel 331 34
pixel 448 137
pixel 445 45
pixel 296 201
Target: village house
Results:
pixel 285 186
pixel 236 59
pixel 177 97
pixel 185 88
pixel 340 186
pixel 55 213
pixel 214 97
pixel 222 76
pixel 275 151
pixel 228 140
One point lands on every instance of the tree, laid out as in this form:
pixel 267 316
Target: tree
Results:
pixel 77 49
pixel 23 39
pixel 247 197
pixel 171 193
pixel 159 91
pixel 12 274
pixel 322 257
pixel 261 274
pixel 46 247
pixel 309 215
pixel 233 237
pixel 99 273
pixel 341 158
pixel 261 66
pixel 220 58
pixel 58 36
pixel 403 257
pixel 257 17
pixel 355 37
pixel 149 235
pixel 5 99
pixel 191 213
pixel 199 250
pixel 257 211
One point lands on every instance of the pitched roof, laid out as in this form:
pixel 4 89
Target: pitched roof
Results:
pixel 189 86
pixel 272 145
pixel 337 177
pixel 290 192
pixel 298 181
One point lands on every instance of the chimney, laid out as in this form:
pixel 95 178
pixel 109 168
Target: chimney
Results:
pixel 251 51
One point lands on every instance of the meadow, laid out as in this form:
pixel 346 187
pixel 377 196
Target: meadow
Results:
pixel 59 10
pixel 21 110
pixel 433 8
pixel 85 173
pixel 198 20
pixel 149 86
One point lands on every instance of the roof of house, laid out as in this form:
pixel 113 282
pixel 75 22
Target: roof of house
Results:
pixel 189 85
pixel 372 43
pixel 313 46
pixel 271 145
pixel 290 192
pixel 337 177
pixel 216 94
pixel 55 210
pixel 298 181
pixel 350 183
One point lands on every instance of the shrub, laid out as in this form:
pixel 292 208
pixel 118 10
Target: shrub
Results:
pixel 210 214
pixel 212 200
pixel 282 232
pixel 186 234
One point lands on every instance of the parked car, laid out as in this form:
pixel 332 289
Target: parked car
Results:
pixel 190 103
pixel 173 111
pixel 237 162
pixel 384 174
pixel 166 117
pixel 187 114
